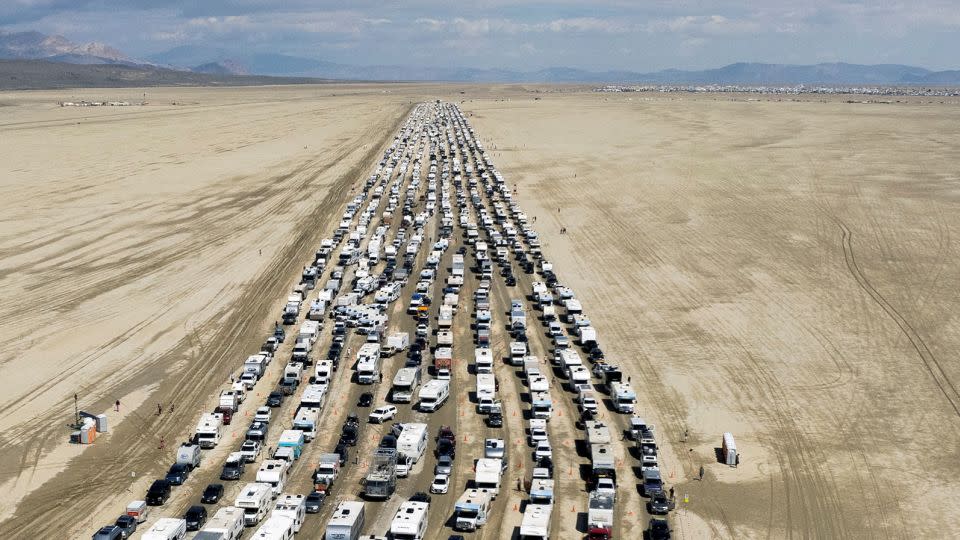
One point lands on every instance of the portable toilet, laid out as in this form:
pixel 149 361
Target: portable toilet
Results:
pixel 729 450
pixel 101 423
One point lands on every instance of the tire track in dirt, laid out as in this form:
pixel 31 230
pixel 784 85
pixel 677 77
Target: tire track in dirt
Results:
pixel 929 361
pixel 87 484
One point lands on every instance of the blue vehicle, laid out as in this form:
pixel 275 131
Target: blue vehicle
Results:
pixel 293 439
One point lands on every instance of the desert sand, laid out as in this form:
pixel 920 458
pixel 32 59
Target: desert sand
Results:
pixel 782 271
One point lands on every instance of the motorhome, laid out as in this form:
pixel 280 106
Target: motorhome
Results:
pixel 323 372
pixel 541 406
pixel 396 342
pixel 368 363
pixel 274 472
pixel 292 506
pixel 412 441
pixel 166 529
pixel 445 319
pixel 541 491
pixel 254 499
pixel 600 513
pixel 346 522
pixel 227 524
pixel 624 398
pixel 433 395
pixel 483 358
pixel 294 440
pixel 405 384
pixel 314 396
pixel 489 472
pixel 209 430
pixel 486 386
pixel 256 364
pixel 472 510
pixel 275 528
pixel 306 420
pixel 443 358
pixel 535 524
pixel 518 350
pixel 410 521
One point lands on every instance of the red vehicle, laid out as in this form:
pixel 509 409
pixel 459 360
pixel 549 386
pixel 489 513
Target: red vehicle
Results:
pixel 599 533
pixel 227 413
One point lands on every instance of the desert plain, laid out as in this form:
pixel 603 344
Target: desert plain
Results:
pixel 781 270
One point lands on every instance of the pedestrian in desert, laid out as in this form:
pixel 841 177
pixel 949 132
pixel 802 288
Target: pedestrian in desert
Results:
pixel 701 473
pixel 116 406
pixel 163 444
pixel 159 409
pixel 671 492
pixel 172 405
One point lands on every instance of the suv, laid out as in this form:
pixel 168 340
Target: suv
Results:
pixel 110 532
pixel 158 493
pixel 127 524
pixel 178 474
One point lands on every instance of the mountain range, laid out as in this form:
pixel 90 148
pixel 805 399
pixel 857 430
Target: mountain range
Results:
pixel 220 62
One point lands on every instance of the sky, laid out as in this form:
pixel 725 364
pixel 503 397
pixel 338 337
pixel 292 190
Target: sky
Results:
pixel 598 35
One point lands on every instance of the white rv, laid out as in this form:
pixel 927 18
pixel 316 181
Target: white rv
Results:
pixel 624 398
pixel 412 442
pixel 535 524
pixel 254 500
pixel 167 529
pixel 405 384
pixel 275 473
pixel 275 528
pixel 346 522
pixel 433 395
pixel 209 430
pixel 368 363
pixel 410 522
pixel 293 507
pixel 488 473
pixel 227 522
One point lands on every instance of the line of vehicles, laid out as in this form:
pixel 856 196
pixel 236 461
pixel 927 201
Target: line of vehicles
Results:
pixel 362 304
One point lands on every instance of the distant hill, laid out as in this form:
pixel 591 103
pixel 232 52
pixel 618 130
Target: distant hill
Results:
pixel 221 62
pixel 42 74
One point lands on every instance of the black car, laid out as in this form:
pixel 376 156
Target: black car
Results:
pixel 446 448
pixel 343 451
pixel 494 420
pixel 334 353
pixel 420 497
pixel 279 333
pixel 658 529
pixel 178 474
pixel 366 399
pixel 349 434
pixel 388 441
pixel 275 399
pixel 413 362
pixel 212 494
pixel 659 503
pixel 127 524
pixel 158 493
pixel 314 501
pixel 195 517
pixel 511 281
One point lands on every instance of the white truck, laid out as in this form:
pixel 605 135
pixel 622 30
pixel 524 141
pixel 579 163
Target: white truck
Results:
pixel 624 398
pixel 209 430
pixel 396 342
pixel 254 499
pixel 346 522
pixel 472 510
pixel 292 506
pixel 412 442
pixel 433 395
pixel 488 473
pixel 274 472
pixel 328 468
pixel 410 521
pixel 405 383
pixel 226 524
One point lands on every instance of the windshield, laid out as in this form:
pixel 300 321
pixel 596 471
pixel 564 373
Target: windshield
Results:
pixel 467 513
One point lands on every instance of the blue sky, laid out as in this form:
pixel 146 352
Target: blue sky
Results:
pixel 641 35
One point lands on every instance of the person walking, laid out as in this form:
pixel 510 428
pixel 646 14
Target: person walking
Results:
pixel 163 444
pixel 159 409
pixel 701 473
pixel 671 493
pixel 116 406
pixel 172 405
